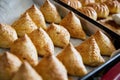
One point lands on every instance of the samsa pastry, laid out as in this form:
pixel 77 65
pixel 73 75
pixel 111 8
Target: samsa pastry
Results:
pixel 9 65
pixel 90 52
pixel 26 72
pixel 73 3
pixel 72 60
pixel 73 25
pixel 7 35
pixel 59 35
pixel 24 25
pixel 86 2
pixel 37 16
pixel 104 43
pixel 42 42
pixel 89 11
pixel 25 50
pixel 50 68
pixel 50 12
pixel 101 9
pixel 113 5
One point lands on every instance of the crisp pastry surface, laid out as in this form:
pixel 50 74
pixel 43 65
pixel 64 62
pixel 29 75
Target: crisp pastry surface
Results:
pixel 50 68
pixel 50 8
pixel 26 72
pixel 24 25
pixel 100 1
pixel 37 16
pixel 113 5
pixel 59 35
pixel 73 25
pixel 73 3
pixel 42 42
pixel 90 52
pixel 105 44
pixel 7 35
pixel 86 2
pixel 89 11
pixel 72 61
pixel 9 65
pixel 101 9
pixel 25 50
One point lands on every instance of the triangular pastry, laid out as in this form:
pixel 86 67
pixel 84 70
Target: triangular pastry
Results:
pixel 73 25
pixel 59 35
pixel 72 60
pixel 42 41
pixel 25 50
pixel 24 25
pixel 7 35
pixel 37 16
pixel 90 52
pixel 50 12
pixel 9 65
pixel 104 43
pixel 50 68
pixel 26 72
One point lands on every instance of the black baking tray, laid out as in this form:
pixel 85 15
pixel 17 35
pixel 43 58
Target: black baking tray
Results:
pixel 101 70
pixel 112 34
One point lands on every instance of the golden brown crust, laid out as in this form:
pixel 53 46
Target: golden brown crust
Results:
pixel 104 43
pixel 114 6
pixel 50 68
pixel 24 25
pixel 90 52
pixel 9 65
pixel 89 11
pixel 25 50
pixel 86 2
pixel 72 60
pixel 101 9
pixel 73 3
pixel 50 12
pixel 26 72
pixel 100 1
pixel 59 35
pixel 7 35
pixel 42 42
pixel 73 25
pixel 37 16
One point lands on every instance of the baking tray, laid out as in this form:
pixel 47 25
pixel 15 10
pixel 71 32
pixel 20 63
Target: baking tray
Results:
pixel 92 23
pixel 15 8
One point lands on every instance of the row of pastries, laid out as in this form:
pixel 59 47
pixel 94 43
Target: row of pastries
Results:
pixel 29 36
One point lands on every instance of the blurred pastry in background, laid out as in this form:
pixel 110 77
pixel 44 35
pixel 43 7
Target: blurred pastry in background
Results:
pixel 88 11
pixel 100 1
pixel 7 35
pixel 50 12
pixel 86 2
pixel 73 25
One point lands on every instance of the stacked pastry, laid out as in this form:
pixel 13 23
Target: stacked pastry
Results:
pixel 29 37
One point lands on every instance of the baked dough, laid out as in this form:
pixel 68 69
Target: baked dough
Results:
pixel 73 25
pixel 50 68
pixel 25 50
pixel 86 2
pixel 24 25
pixel 104 43
pixel 42 42
pixel 73 3
pixel 89 11
pixel 101 9
pixel 37 16
pixel 72 60
pixel 113 5
pixel 26 72
pixel 90 52
pixel 50 12
pixel 9 65
pixel 100 1
pixel 7 35
pixel 59 35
